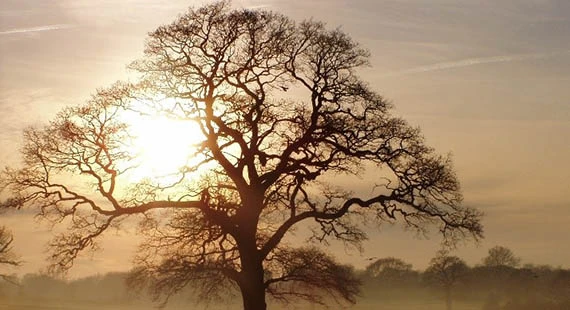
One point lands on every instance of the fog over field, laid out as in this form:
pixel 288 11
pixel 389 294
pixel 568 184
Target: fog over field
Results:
pixel 485 81
pixel 387 284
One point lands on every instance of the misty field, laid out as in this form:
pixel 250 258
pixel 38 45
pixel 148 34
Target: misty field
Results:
pixel 387 284
pixel 361 305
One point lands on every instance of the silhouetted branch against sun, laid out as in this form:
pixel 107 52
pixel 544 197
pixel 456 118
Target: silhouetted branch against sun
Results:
pixel 273 108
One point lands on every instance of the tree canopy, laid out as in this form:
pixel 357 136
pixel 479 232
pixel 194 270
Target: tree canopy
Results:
pixel 501 256
pixel 387 265
pixel 446 271
pixel 281 113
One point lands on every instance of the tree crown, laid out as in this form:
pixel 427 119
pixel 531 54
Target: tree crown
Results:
pixel 501 256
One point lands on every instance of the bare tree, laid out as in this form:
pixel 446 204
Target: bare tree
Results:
pixel 388 263
pixel 390 275
pixel 7 256
pixel 501 256
pixel 446 271
pixel 387 267
pixel 282 113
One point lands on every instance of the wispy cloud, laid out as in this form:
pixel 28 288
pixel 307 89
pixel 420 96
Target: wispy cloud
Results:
pixel 36 29
pixel 258 6
pixel 474 61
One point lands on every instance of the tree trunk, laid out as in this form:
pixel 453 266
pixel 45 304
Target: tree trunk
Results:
pixel 448 298
pixel 254 298
pixel 251 282
pixel 252 286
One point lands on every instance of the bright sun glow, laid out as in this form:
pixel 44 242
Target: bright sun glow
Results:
pixel 162 145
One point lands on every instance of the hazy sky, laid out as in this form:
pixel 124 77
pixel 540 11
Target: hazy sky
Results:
pixel 487 80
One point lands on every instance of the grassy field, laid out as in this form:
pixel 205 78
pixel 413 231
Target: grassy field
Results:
pixel 362 305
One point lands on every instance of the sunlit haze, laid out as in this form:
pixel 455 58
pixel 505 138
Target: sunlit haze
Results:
pixel 163 146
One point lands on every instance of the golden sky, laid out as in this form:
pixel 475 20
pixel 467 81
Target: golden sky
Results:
pixel 488 81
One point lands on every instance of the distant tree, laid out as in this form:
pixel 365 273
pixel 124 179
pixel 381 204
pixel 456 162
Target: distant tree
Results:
pixel 382 265
pixel 269 154
pixel 501 256
pixel 539 287
pixel 446 271
pixel 7 256
pixel 391 272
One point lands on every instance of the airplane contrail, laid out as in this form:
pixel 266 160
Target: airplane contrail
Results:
pixel 36 29
pixel 472 62
pixel 257 6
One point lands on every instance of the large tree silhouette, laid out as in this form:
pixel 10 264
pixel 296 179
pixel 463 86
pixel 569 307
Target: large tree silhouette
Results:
pixel 282 113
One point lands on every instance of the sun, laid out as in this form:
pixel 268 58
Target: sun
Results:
pixel 162 146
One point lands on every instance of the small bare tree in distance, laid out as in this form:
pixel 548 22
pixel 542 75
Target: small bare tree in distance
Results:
pixel 446 271
pixel 501 256
pixel 390 264
pixel 282 112
pixel 7 256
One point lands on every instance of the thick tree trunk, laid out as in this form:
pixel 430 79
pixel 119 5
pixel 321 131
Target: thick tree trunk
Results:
pixel 251 284
pixel 254 297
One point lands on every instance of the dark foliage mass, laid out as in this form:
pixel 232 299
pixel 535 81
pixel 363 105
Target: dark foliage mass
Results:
pixel 448 278
pixel 281 112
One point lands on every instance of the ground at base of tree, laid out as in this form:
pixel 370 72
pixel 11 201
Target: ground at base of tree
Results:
pixel 364 305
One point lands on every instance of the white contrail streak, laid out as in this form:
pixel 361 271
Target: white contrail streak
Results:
pixel 472 62
pixel 257 7
pixel 36 29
